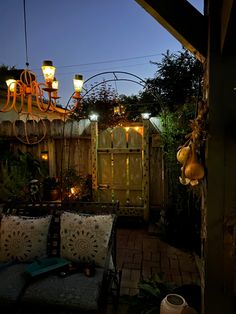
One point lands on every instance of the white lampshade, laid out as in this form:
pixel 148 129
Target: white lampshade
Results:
pixel 55 84
pixel 11 84
pixel 145 115
pixel 78 82
pixel 93 117
pixel 48 71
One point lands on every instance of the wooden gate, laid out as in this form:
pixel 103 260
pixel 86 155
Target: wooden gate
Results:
pixel 120 166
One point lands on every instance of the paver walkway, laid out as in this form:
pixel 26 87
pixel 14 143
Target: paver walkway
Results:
pixel 140 255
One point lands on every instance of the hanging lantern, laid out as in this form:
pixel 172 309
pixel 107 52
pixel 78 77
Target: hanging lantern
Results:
pixel 48 72
pixel 44 155
pixel 78 85
pixel 119 110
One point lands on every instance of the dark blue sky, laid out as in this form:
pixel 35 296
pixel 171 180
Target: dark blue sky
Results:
pixel 84 36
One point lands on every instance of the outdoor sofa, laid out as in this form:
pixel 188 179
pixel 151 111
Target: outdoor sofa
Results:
pixel 57 257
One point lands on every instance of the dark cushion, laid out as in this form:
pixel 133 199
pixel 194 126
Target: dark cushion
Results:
pixel 12 281
pixel 75 291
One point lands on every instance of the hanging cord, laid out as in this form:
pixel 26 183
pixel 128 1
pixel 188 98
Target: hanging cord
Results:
pixel 26 42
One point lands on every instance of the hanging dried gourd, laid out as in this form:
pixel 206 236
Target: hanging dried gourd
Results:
pixel 193 170
pixel 183 154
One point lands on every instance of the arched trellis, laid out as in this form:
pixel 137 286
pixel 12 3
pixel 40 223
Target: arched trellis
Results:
pixel 134 79
pixel 122 77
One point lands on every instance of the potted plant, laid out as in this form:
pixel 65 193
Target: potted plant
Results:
pixel 51 189
pixel 76 186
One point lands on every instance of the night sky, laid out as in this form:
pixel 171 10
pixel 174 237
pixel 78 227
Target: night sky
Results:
pixel 85 37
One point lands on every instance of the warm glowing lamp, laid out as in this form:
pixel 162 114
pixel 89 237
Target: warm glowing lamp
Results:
pixel 48 72
pixel 146 115
pixel 93 117
pixel 78 85
pixel 11 84
pixel 55 84
pixel 44 155
pixel 78 82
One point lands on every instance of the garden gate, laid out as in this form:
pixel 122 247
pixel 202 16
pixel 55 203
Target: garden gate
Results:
pixel 121 168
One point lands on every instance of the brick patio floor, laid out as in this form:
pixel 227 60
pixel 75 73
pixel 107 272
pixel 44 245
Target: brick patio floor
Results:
pixel 140 254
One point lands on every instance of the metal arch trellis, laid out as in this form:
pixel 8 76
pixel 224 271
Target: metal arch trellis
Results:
pixel 115 73
pixel 139 81
pixel 136 80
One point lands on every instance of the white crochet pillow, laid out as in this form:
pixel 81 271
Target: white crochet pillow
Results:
pixel 85 238
pixel 23 238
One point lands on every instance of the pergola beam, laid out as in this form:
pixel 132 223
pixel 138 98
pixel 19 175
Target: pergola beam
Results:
pixel 228 27
pixel 183 21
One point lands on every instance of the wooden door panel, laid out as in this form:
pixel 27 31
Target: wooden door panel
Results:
pixel 119 138
pixel 104 168
pixel 120 170
pixel 135 171
pixel 120 166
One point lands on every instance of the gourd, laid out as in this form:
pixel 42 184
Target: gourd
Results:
pixel 193 170
pixel 182 154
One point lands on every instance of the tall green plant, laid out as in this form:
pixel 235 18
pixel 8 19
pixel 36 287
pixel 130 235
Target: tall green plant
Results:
pixel 181 221
pixel 17 170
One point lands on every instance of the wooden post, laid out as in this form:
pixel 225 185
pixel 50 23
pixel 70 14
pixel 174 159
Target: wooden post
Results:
pixel 94 144
pixel 221 166
pixel 145 181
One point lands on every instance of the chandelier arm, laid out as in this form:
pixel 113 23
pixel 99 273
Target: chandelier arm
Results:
pixel 39 97
pixel 29 103
pixel 26 134
pixel 21 93
pixel 27 140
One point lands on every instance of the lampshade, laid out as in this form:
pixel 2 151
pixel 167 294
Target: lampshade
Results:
pixel 93 117
pixel 78 82
pixel 11 83
pixel 48 71
pixel 145 115
pixel 55 84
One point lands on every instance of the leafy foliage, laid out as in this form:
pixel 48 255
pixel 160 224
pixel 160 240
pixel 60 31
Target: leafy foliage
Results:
pixel 177 80
pixel 101 101
pixel 17 170
pixel 178 85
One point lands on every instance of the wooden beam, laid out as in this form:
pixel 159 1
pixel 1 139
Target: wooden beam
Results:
pixel 183 21
pixel 228 27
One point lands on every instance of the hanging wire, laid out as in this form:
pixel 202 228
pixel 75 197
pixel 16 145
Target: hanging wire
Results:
pixel 26 42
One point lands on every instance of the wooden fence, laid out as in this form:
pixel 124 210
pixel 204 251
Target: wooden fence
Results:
pixel 66 144
pixel 69 145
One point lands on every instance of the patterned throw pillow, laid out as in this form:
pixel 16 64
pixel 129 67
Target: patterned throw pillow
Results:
pixel 23 238
pixel 85 238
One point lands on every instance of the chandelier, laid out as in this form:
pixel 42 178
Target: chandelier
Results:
pixel 26 93
pixel 28 98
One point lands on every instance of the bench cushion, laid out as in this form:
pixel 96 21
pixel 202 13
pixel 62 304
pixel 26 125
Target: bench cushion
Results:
pixel 75 291
pixel 23 238
pixel 85 238
pixel 12 281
